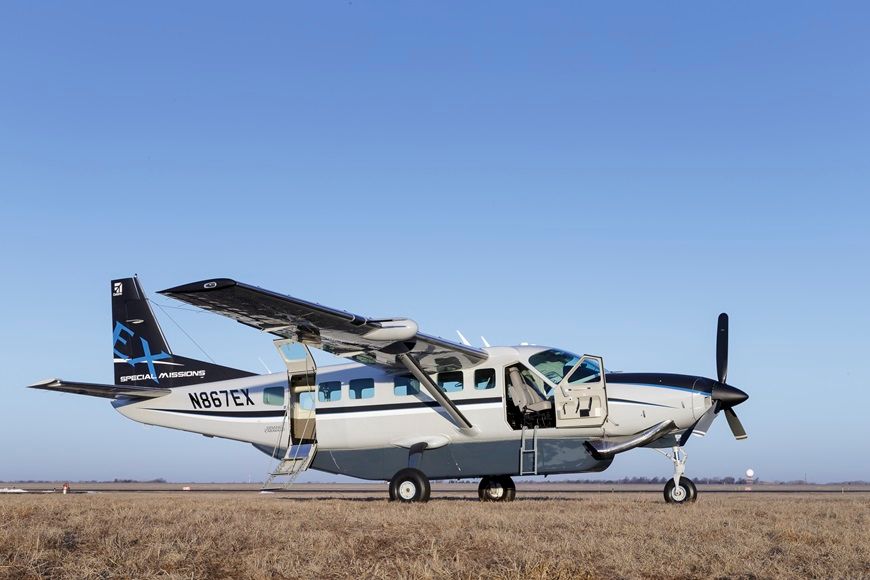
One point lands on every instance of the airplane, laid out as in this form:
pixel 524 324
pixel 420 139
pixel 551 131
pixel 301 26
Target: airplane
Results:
pixel 407 407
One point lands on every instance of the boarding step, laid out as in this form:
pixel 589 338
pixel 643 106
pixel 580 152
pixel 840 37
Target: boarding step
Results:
pixel 297 459
pixel 529 455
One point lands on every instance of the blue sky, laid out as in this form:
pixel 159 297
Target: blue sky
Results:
pixel 602 178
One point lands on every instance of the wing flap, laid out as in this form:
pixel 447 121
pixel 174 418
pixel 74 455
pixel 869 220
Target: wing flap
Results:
pixel 98 390
pixel 369 341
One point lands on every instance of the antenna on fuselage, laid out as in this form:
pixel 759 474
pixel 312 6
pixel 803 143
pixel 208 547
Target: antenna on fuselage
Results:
pixel 485 342
pixel 463 339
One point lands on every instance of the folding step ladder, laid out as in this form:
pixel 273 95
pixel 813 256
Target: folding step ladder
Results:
pixel 295 461
pixel 529 454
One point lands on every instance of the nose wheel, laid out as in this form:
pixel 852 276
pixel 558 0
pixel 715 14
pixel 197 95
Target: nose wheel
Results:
pixel 682 492
pixel 679 489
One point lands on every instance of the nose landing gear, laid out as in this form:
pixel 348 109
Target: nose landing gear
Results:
pixel 679 489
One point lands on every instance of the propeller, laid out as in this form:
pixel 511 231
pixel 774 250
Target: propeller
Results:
pixel 725 397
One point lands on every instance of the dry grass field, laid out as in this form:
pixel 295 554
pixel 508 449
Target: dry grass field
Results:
pixel 235 535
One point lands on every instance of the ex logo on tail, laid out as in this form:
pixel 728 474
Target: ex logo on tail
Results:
pixel 147 356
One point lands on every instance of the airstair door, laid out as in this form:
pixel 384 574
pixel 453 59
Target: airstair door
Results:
pixel 302 376
pixel 581 397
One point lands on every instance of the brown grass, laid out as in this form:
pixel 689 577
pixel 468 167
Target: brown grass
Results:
pixel 270 536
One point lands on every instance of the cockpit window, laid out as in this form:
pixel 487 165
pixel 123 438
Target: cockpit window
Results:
pixel 554 363
pixel 588 372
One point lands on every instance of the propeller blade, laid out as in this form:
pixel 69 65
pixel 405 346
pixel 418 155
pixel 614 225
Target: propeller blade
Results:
pixel 722 348
pixel 686 434
pixel 701 426
pixel 735 424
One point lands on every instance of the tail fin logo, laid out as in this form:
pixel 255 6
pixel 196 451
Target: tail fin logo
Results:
pixel 117 289
pixel 147 356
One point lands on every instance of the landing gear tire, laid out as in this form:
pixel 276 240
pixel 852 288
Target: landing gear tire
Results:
pixel 497 488
pixel 685 492
pixel 410 486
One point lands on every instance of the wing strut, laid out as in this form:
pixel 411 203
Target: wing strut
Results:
pixel 436 393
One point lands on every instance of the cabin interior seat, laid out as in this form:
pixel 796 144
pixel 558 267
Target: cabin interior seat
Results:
pixel 525 397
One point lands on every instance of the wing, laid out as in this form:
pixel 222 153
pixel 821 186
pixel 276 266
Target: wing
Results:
pixel 370 341
pixel 95 390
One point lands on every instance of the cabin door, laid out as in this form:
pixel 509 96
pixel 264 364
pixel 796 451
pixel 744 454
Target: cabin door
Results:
pixel 301 375
pixel 581 397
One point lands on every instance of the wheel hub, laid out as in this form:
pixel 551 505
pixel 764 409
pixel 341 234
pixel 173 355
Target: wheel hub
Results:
pixel 678 493
pixel 407 490
pixel 496 490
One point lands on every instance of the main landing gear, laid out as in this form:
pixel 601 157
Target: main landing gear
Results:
pixel 497 488
pixel 412 486
pixel 679 489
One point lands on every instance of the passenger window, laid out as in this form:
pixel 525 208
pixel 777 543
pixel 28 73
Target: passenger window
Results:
pixel 306 401
pixel 329 391
pixel 273 395
pixel 362 389
pixel 450 382
pixel 405 385
pixel 484 379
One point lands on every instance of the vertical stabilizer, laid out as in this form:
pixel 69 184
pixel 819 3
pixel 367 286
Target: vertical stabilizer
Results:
pixel 141 355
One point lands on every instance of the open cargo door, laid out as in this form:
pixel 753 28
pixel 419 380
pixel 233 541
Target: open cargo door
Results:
pixel 302 378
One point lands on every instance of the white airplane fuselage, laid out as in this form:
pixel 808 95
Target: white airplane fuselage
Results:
pixel 369 432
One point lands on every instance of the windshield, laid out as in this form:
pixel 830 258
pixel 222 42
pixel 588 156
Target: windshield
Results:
pixel 554 363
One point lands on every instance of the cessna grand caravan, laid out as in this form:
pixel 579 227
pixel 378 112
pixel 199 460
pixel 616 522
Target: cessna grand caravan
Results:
pixel 408 407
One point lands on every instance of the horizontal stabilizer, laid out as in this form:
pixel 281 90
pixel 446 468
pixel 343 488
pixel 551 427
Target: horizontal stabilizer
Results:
pixel 96 390
pixel 604 449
